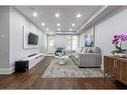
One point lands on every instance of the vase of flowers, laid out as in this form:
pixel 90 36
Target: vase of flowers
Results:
pixel 117 42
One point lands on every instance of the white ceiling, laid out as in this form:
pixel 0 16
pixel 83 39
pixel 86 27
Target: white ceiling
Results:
pixel 67 16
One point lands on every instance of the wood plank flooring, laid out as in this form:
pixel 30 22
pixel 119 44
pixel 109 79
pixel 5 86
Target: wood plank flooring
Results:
pixel 32 79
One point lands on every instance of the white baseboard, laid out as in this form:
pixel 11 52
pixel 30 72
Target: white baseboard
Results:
pixel 6 70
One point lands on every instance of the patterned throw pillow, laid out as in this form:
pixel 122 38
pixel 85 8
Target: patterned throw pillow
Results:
pixel 87 50
pixel 84 50
pixel 81 49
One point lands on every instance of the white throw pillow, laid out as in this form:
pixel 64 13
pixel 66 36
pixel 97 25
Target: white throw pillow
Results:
pixel 96 50
pixel 79 50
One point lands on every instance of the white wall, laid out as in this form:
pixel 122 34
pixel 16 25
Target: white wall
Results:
pixel 82 40
pixel 105 31
pixel 17 50
pixel 43 41
pixel 4 38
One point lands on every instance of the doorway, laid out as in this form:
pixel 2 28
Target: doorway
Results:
pixel 51 44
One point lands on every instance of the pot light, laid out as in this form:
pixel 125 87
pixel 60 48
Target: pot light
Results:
pixel 58 24
pixel 78 15
pixel 43 24
pixel 35 14
pixel 47 29
pixel 59 29
pixel 70 29
pixel 57 15
pixel 73 25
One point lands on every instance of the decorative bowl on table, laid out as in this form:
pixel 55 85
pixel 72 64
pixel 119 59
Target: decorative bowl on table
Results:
pixel 119 54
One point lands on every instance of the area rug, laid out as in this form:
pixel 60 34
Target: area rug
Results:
pixel 70 70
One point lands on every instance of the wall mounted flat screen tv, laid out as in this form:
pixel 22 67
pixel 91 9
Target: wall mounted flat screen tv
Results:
pixel 32 39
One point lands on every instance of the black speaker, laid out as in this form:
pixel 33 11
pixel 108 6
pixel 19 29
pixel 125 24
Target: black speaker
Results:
pixel 21 66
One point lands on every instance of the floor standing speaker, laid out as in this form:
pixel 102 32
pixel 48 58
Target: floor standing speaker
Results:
pixel 21 66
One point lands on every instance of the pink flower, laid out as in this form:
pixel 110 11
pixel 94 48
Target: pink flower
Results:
pixel 123 37
pixel 115 40
pixel 118 38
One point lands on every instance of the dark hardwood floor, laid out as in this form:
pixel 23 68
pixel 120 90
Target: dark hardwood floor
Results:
pixel 32 79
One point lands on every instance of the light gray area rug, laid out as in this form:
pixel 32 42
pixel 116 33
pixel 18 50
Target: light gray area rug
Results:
pixel 70 70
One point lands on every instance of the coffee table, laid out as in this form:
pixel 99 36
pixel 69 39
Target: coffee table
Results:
pixel 62 59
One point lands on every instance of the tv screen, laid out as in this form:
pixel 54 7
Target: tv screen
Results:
pixel 32 39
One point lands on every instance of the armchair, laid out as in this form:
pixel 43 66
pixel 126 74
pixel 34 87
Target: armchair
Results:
pixel 59 52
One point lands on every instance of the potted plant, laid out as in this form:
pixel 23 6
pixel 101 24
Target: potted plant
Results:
pixel 117 42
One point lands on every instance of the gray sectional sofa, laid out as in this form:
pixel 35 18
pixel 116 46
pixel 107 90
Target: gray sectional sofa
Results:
pixel 87 57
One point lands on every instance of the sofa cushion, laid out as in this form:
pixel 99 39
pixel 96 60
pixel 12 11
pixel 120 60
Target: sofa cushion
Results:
pixel 76 56
pixel 96 50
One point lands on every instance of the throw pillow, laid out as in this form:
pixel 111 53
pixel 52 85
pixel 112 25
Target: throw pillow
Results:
pixel 89 50
pixel 96 50
pixel 84 50
pixel 79 50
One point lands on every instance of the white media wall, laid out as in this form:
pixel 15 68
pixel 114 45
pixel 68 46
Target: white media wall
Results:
pixel 19 30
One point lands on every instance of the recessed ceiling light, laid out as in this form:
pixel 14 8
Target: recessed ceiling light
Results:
pixel 58 24
pixel 47 29
pixel 35 14
pixel 78 15
pixel 70 29
pixel 73 25
pixel 59 29
pixel 57 15
pixel 43 24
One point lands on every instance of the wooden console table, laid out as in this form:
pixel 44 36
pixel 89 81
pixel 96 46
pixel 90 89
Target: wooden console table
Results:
pixel 116 67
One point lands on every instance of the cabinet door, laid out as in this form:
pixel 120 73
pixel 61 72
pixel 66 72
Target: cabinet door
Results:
pixel 122 71
pixel 109 66
pixel 116 69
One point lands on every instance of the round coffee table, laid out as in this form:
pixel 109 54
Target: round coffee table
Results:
pixel 62 59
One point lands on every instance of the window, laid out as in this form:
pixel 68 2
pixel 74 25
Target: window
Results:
pixel 68 42
pixel 71 42
pixel 74 42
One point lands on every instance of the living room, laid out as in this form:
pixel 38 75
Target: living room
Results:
pixel 62 47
